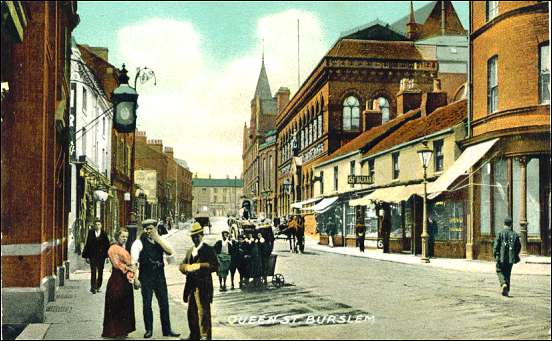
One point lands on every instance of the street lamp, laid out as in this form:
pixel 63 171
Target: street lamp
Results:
pixel 125 103
pixel 425 156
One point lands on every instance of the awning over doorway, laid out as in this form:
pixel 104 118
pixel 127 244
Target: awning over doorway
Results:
pixel 300 204
pixel 469 157
pixel 324 205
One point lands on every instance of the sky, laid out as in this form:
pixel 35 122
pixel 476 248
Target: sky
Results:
pixel 207 56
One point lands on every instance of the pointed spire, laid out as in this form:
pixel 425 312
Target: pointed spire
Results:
pixel 411 26
pixel 263 87
pixel 412 19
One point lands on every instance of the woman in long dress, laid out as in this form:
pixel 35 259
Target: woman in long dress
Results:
pixel 119 318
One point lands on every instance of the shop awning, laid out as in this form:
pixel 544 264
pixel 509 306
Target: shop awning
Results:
pixel 469 157
pixel 324 205
pixel 394 194
pixel 300 204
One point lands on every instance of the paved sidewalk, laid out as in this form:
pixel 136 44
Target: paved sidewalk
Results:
pixel 77 314
pixel 531 265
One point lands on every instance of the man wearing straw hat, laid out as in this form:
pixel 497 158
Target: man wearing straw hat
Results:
pixel 198 265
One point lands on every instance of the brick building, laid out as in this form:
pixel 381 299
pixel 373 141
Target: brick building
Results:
pixel 510 109
pixel 216 197
pixel 117 209
pixel 263 115
pixel 171 194
pixel 35 73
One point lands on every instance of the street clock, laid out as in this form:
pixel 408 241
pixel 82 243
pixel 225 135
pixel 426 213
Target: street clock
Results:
pixel 125 103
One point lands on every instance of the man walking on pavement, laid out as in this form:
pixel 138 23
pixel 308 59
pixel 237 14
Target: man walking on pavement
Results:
pixel 198 265
pixel 95 252
pixel 148 250
pixel 506 250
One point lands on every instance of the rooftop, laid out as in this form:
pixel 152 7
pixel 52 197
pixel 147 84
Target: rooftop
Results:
pixel 441 119
pixel 199 182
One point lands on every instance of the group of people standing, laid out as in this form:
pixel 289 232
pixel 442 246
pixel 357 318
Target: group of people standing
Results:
pixel 249 254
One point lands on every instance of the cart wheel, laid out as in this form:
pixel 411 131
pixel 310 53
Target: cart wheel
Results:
pixel 278 280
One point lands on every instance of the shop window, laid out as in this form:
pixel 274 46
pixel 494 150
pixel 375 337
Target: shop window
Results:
pixel 350 220
pixel 500 191
pixel 396 170
pixel 485 206
pixel 396 221
pixel 533 197
pixel 351 113
pixel 492 85
pixel 439 157
pixel 544 74
pixel 446 219
pixel 491 9
pixel 371 222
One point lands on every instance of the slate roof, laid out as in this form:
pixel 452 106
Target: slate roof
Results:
pixel 372 136
pixel 373 49
pixel 374 30
pixel 421 15
pixel 441 119
pixel 263 87
pixel 198 182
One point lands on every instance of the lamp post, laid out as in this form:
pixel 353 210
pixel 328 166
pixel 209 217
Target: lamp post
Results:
pixel 125 104
pixel 425 156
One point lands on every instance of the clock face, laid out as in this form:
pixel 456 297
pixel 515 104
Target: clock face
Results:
pixel 124 113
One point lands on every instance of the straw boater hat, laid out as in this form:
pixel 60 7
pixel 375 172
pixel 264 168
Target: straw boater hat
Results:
pixel 196 229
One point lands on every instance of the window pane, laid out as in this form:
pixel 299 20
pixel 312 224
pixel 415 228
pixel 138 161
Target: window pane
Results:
pixel 446 218
pixel 396 221
pixel 533 198
pixel 485 210
pixel 544 59
pixel 355 118
pixel 500 191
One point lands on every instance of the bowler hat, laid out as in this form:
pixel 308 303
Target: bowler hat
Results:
pixel 148 222
pixel 196 229
pixel 508 221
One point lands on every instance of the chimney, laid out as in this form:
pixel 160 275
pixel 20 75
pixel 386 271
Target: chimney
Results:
pixel 433 100
pixel 157 145
pixel 282 98
pixel 141 137
pixel 371 116
pixel 209 176
pixel 409 96
pixel 169 152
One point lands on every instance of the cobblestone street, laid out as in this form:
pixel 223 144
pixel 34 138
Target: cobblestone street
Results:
pixel 401 301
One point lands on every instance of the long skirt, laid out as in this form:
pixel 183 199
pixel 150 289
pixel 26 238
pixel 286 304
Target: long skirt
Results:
pixel 224 264
pixel 119 317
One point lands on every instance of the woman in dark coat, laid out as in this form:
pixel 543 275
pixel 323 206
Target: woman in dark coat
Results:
pixel 119 318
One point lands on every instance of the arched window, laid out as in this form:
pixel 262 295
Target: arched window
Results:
pixel 351 113
pixel 384 107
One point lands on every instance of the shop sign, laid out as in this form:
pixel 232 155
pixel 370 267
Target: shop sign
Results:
pixel 360 180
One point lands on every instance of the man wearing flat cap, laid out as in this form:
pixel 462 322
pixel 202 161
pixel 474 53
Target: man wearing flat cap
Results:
pixel 198 265
pixel 506 250
pixel 148 250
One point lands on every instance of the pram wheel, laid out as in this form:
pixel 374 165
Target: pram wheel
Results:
pixel 278 280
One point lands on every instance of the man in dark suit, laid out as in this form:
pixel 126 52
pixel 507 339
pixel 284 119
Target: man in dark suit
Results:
pixel 148 250
pixel 95 252
pixel 198 265
pixel 506 250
